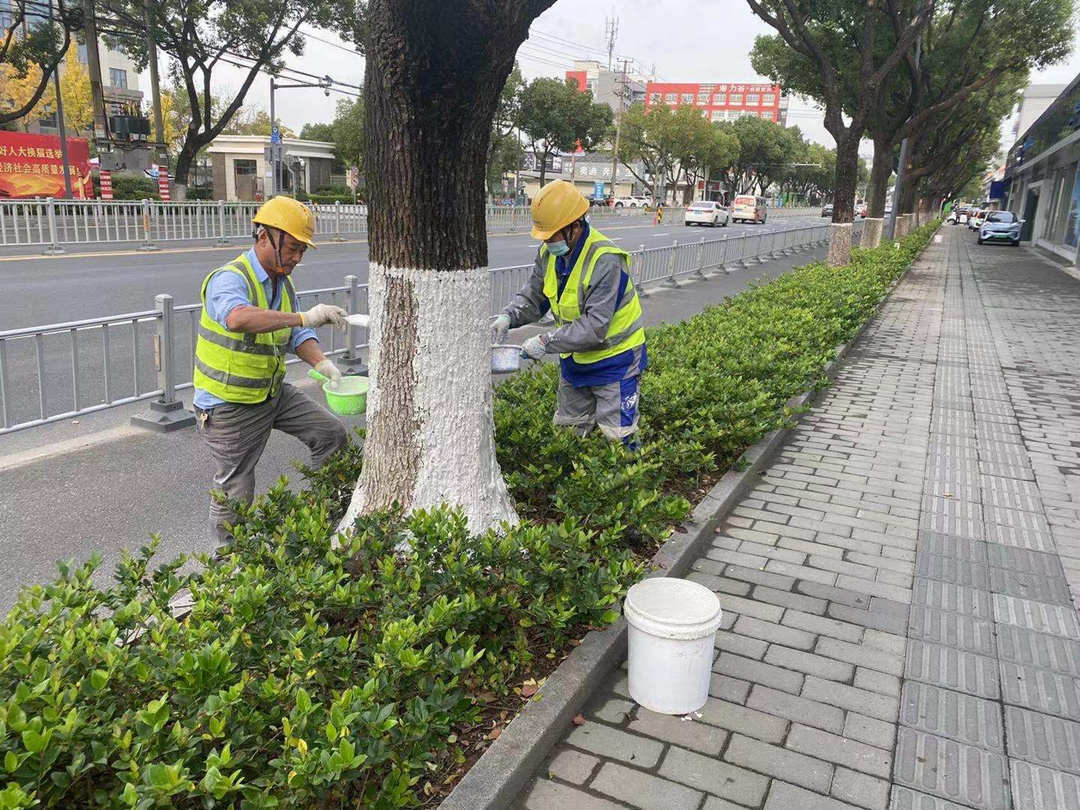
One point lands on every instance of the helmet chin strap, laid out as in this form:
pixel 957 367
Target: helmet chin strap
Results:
pixel 277 248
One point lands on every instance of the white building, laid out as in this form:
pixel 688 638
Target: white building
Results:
pixel 242 171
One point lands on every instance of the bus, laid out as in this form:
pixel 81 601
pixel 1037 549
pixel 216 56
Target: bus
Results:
pixel 746 208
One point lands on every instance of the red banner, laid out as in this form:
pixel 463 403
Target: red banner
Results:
pixel 105 177
pixel 32 166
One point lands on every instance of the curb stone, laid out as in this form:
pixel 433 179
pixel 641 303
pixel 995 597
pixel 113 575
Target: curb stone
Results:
pixel 504 769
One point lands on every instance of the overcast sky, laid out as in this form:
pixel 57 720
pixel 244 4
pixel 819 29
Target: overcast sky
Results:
pixel 683 40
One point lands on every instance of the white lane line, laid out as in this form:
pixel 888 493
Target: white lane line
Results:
pixel 666 233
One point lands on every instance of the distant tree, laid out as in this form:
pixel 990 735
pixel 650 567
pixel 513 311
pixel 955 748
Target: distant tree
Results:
pixel 255 122
pixel 75 93
pixel 201 37
pixel 504 149
pixel 348 131
pixel 556 116
pixel 30 49
pixel 765 151
pixel 317 132
pixel 15 93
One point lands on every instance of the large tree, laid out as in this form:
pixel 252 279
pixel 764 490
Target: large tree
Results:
pixel 504 149
pixel 434 73
pixel 202 37
pixel 557 117
pixel 32 43
pixel 766 152
pixel 348 131
pixel 846 42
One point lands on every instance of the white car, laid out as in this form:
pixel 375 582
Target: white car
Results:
pixel 706 212
pixel 630 202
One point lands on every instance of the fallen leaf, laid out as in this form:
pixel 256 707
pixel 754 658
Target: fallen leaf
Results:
pixel 579 720
pixel 528 689
pixel 494 733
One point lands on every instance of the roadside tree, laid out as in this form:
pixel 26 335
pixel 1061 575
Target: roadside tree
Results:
pixel 434 75
pixel 504 149
pixel 31 46
pixel 557 117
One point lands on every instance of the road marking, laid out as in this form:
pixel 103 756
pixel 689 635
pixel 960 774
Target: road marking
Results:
pixel 665 233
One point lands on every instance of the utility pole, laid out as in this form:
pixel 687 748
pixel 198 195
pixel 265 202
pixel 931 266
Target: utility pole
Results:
pixel 93 65
pixel 273 153
pixel 61 129
pixel 619 95
pixel 611 32
pixel 890 230
pixel 155 87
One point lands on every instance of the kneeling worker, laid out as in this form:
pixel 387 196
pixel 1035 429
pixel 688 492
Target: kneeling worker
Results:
pixel 249 321
pixel 584 279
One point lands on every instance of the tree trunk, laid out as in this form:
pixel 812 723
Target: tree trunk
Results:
pixel 879 185
pixel 430 433
pixel 847 178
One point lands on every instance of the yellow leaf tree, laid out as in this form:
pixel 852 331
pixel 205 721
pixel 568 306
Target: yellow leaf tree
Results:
pixel 75 91
pixel 16 91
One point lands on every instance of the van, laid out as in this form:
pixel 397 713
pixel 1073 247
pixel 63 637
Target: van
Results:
pixel 746 208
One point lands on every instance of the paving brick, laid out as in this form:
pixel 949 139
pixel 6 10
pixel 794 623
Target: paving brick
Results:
pixel 952 630
pixel 717 584
pixel 767 631
pixel 840 750
pixel 741 645
pixel 874 681
pixel 713 803
pixel 809 663
pixel 1056 620
pixel 696 736
pixel 874 588
pixel 643 790
pixel 750 608
pixel 860 655
pixel 882 640
pixel 860 789
pixel 1026 585
pixel 1040 690
pixel 823 626
pixel 960 717
pixel 748 669
pixel 870 730
pixel 572 766
pixel 952 569
pixel 952 668
pixel 853 599
pixel 718 778
pixel 954 771
pixel 888 618
pixel 780 763
pixel 611 710
pixel 1039 649
pixel 729 557
pixel 1043 740
pixel 616 744
pixel 744 720
pixel 882 707
pixel 1037 788
pixel 956 598
pixel 727 688
pixel 545 795
pixel 802 572
pixel 784 796
pixel 788 599
pixel 819 713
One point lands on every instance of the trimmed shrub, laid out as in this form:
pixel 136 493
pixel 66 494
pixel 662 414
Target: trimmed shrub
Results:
pixel 309 675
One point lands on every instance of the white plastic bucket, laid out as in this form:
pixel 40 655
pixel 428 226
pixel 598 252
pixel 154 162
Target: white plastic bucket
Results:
pixel 672 632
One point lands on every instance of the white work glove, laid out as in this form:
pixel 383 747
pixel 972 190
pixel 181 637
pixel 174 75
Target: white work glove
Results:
pixel 535 347
pixel 500 325
pixel 322 314
pixel 327 368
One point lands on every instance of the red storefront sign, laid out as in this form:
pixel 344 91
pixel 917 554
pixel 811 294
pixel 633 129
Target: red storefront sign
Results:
pixel 32 166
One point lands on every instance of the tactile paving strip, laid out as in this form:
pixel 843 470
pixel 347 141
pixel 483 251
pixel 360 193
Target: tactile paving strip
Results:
pixel 955 715
pixel 961 773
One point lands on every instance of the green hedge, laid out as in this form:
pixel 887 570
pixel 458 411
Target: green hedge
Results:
pixel 309 676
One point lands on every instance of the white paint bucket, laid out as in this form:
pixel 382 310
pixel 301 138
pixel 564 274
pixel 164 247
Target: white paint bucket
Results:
pixel 672 632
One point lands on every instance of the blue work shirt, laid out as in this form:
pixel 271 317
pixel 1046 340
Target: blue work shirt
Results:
pixel 227 291
pixel 610 369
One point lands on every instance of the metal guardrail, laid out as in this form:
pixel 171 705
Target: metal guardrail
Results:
pixel 63 370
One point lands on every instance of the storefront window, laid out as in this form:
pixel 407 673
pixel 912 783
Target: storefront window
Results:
pixel 1072 218
pixel 1061 203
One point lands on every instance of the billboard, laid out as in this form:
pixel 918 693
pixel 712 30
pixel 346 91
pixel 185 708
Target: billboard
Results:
pixel 31 166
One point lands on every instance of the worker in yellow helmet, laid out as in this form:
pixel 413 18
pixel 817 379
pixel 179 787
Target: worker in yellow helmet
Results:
pixel 249 321
pixel 583 278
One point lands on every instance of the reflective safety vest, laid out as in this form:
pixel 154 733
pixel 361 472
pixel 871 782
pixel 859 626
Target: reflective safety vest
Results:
pixel 237 366
pixel 625 330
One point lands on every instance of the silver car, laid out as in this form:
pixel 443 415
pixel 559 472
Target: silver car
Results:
pixel 1000 226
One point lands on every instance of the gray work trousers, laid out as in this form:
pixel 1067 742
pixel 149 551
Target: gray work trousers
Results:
pixel 236 435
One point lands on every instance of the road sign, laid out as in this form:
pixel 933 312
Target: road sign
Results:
pixel 274 152
pixel 275 135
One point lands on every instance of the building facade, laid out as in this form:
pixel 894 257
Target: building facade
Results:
pixel 242 171
pixel 720 101
pixel 1033 103
pixel 607 85
pixel 1042 181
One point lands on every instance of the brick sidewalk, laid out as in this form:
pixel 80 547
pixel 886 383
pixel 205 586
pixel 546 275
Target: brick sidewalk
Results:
pixel 898 629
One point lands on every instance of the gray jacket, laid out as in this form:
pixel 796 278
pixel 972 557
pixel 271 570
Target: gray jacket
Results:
pixel 590 328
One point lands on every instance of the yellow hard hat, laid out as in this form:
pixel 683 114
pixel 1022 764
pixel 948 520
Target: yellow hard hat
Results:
pixel 289 215
pixel 556 206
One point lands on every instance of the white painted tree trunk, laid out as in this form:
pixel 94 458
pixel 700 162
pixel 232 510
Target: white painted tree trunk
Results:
pixel 839 244
pixel 430 437
pixel 871 234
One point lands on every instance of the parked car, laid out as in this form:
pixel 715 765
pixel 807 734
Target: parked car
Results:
pixel 746 208
pixel 642 202
pixel 976 219
pixel 630 202
pixel 706 212
pixel 1000 226
pixel 827 210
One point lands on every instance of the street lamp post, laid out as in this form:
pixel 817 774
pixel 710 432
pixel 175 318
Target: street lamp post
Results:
pixel 325 83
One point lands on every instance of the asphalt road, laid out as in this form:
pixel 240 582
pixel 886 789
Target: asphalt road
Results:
pixel 41 290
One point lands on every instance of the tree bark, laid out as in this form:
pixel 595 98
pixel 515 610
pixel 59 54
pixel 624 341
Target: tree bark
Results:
pixel 880 171
pixel 847 178
pixel 430 433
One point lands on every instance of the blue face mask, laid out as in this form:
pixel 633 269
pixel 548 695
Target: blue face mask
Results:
pixel 559 248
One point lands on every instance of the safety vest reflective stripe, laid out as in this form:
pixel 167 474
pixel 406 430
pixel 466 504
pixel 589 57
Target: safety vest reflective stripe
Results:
pixel 237 366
